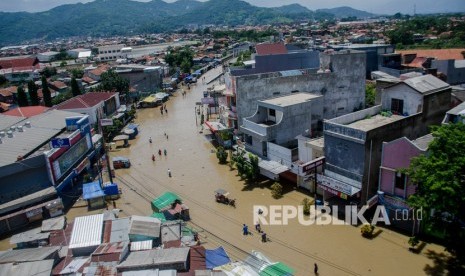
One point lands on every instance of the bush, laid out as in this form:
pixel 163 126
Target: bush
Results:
pixel 276 190
pixel 367 230
pixel 413 241
pixel 306 206
pixel 222 155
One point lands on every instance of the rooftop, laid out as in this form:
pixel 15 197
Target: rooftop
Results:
pixel 85 101
pixel 293 99
pixel 154 258
pixel 439 54
pixel 270 49
pixel 374 122
pixel 87 231
pixel 37 268
pixel 423 141
pixel 26 140
pixel 426 84
pixel 459 109
pixel 26 111
pixel 28 255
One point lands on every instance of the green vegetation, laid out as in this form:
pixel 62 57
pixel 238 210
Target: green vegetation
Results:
pixel 222 155
pixel 277 190
pixel 370 94
pixel 75 87
pixel 440 179
pixel 113 130
pixel 61 97
pixel 367 230
pixel 408 34
pixel 246 35
pixel 306 203
pixel 49 71
pixel 242 57
pixel 46 93
pixel 33 96
pixel 22 96
pixel 181 58
pixel 111 81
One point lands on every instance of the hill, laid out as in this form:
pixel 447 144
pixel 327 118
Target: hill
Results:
pixel 122 17
pixel 342 12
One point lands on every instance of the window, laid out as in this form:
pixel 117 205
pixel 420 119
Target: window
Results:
pixel 400 180
pixel 272 112
pixel 397 106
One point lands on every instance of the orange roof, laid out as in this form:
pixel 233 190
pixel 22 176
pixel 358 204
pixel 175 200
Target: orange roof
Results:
pixel 59 84
pixel 270 49
pixel 439 54
pixel 417 62
pixel 8 91
pixel 27 111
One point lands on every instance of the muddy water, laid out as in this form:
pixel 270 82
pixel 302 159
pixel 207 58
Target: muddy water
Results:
pixel 338 250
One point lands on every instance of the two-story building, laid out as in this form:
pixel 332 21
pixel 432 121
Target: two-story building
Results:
pixel 271 132
pixel 353 142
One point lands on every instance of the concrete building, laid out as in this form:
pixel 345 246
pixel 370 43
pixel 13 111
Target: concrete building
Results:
pixel 80 53
pixel 454 70
pixel 455 115
pixel 32 174
pixel 20 68
pixel 394 186
pixel 110 52
pixel 47 56
pixel 341 81
pixel 374 53
pixel 271 132
pixel 91 102
pixel 279 120
pixel 142 78
pixel 353 142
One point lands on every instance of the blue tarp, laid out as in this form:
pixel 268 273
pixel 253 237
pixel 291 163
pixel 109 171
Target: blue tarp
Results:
pixel 111 189
pixel 92 190
pixel 216 257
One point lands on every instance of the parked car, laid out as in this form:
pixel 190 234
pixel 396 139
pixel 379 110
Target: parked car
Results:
pixel 121 162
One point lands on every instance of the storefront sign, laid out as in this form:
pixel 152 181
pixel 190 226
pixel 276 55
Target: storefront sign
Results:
pixel 336 185
pixel 312 164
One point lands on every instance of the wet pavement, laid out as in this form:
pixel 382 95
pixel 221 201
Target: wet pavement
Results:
pixel 196 174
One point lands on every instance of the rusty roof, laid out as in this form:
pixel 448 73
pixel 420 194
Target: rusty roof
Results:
pixel 439 54
pixel 85 101
pixel 270 49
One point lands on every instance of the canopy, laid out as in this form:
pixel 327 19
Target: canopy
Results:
pixel 92 190
pixel 121 138
pixel 277 269
pixel 222 192
pixel 110 188
pixel 164 201
pixel 216 257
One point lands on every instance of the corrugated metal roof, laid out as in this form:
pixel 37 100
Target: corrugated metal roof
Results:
pixel 43 127
pixel 6 121
pixel 144 226
pixel 457 110
pixel 87 231
pixel 170 231
pixel 29 236
pixel 74 265
pixel 38 268
pixel 56 223
pixel 142 245
pixel 426 84
pixel 155 257
pixel 48 193
pixel 423 141
pixel 29 254
pixel 150 272
pixel 119 230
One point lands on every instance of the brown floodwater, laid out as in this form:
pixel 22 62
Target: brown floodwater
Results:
pixel 338 250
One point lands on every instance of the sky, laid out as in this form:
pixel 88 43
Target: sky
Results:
pixel 376 6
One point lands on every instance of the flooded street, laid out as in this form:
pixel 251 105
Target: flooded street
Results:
pixel 338 250
pixel 196 174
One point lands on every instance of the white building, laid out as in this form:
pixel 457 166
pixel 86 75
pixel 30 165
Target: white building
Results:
pixel 111 52
pixel 80 53
pixel 46 56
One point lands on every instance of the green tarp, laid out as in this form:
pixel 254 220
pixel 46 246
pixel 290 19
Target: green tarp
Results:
pixel 159 216
pixel 164 201
pixel 277 269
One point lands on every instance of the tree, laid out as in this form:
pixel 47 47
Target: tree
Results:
pixel 22 97
pixel 370 94
pixel 222 155
pixel 111 81
pixel 440 176
pixel 276 190
pixel 3 80
pixel 33 96
pixel 49 71
pixel 75 87
pixel 77 73
pixel 46 93
pixel 254 168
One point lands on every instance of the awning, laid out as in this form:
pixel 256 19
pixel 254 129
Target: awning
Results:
pixel 215 126
pixel 271 169
pixel 96 138
pixel 92 190
pixel 121 138
pixel 164 201
pixel 277 269
pixel 335 186
pixel 216 257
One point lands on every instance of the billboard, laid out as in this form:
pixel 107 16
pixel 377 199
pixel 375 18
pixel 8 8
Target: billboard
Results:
pixel 68 159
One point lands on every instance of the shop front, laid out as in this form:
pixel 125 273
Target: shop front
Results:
pixel 335 188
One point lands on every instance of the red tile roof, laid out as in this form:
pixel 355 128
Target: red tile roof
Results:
pixel 100 70
pixel 439 54
pixel 87 100
pixel 87 79
pixel 19 62
pixel 270 49
pixel 417 62
pixel 26 111
pixel 59 84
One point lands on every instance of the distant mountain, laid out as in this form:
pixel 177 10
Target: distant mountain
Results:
pixel 342 12
pixel 122 17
